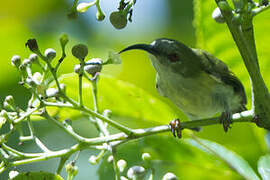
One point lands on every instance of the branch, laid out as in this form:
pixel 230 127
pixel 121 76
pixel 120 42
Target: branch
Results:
pixel 243 36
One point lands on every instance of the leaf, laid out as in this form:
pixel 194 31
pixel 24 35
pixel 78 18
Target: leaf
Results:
pixel 264 167
pixel 235 161
pixel 37 175
pixel 122 98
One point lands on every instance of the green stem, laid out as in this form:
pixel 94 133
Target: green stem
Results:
pixel 116 169
pixel 138 133
pixel 20 154
pixel 120 127
pixel 243 37
pixel 62 162
pixel 80 84
pixel 27 114
pixel 36 139
pixel 67 130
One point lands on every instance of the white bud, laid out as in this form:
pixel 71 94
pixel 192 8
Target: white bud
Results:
pixel 63 87
pixel 77 68
pixel 217 16
pixel 122 164
pixel 30 82
pixel 82 7
pixel 136 172
pixel 110 159
pixel 92 160
pixel 51 92
pixel 107 113
pixel 123 178
pixel 169 176
pixel 93 66
pixel 16 60
pixel 33 58
pixel 9 99
pixel 25 62
pixel 13 174
pixel 37 77
pixel 146 156
pixel 50 53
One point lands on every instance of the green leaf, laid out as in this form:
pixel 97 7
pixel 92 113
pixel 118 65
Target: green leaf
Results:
pixel 236 162
pixel 264 167
pixel 37 175
pixel 122 98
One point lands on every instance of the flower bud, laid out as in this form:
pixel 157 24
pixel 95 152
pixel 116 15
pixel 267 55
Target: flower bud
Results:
pixel 33 58
pixel 83 7
pixel 118 19
pixel 136 172
pixel 93 66
pixel 3 117
pixel 51 92
pixel 50 53
pixel 93 160
pixel 3 113
pixel 169 176
pixel 9 99
pixel 63 87
pixel 71 169
pixel 123 178
pixel 37 77
pixel 25 63
pixel 7 106
pixel 100 16
pixel 12 174
pixel 110 159
pixel 32 45
pixel 77 68
pixel 16 61
pixel 217 16
pixel 79 51
pixel 30 82
pixel 146 157
pixel 64 40
pixel 122 164
pixel 107 113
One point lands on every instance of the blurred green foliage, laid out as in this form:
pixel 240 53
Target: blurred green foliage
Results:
pixel 46 20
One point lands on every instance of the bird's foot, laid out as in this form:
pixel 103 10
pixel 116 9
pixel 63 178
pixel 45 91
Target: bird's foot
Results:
pixel 176 128
pixel 226 120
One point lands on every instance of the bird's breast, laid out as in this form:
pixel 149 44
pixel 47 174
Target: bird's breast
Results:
pixel 195 96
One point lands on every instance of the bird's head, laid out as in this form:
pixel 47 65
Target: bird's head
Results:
pixel 170 54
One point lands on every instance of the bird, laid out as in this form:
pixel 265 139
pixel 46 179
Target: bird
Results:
pixel 197 82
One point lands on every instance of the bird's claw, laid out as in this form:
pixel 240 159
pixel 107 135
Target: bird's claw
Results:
pixel 176 128
pixel 225 119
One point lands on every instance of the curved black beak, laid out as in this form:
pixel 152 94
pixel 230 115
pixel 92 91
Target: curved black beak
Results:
pixel 149 48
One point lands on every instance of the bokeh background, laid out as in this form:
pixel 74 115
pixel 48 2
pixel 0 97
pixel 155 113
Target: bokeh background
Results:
pixel 47 20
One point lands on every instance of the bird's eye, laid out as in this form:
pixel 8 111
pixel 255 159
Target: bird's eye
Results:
pixel 173 57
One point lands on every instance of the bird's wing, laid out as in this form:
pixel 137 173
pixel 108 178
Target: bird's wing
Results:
pixel 212 65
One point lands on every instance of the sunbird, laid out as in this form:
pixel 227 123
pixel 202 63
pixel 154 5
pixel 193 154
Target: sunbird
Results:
pixel 197 82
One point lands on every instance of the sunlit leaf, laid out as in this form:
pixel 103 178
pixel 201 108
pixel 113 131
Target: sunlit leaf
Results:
pixel 234 161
